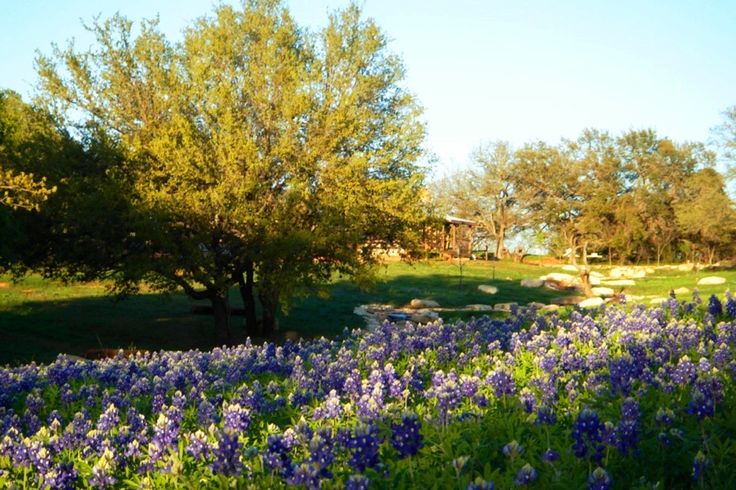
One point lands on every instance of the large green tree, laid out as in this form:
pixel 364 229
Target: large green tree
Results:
pixel 706 213
pixel 551 186
pixel 35 154
pixel 28 139
pixel 614 194
pixel 251 153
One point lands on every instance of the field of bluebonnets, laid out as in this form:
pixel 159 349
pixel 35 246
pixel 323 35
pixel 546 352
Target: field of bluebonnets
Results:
pixel 622 397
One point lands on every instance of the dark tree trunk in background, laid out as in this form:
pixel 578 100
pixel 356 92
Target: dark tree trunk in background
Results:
pixel 245 284
pixel 221 309
pixel 219 301
pixel 269 304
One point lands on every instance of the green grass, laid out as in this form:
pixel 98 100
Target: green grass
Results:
pixel 39 318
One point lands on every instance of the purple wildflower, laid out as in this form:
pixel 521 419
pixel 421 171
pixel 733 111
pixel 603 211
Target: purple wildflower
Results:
pixel 700 462
pixel 665 416
pixel 109 419
pixel 730 305
pixel 197 445
pixel 235 418
pixel 545 416
pixel 226 454
pixel 357 482
pixel 502 382
pixel 62 477
pixel 587 434
pixel 276 456
pixel 480 484
pixel 715 307
pixel 550 455
pixel 526 475
pixel 599 480
pixel 513 450
pixel 306 474
pixel 363 445
pixel 405 436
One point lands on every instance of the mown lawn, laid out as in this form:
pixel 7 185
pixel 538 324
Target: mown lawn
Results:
pixel 39 318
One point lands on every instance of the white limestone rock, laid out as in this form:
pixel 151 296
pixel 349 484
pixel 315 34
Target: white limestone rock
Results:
pixel 532 283
pixel 479 307
pixel 503 306
pixel 711 281
pixel 603 292
pixel 423 303
pixel 627 273
pixel 559 277
pixel 485 288
pixel 594 302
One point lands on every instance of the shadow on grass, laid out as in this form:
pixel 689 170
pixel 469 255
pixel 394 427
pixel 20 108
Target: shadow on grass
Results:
pixel 39 330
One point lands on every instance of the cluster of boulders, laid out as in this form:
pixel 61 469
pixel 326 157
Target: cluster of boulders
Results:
pixel 601 286
pixel 603 289
pixel 417 311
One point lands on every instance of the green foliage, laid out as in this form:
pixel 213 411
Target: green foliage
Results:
pixel 251 144
pixel 615 195
pixel 21 190
pixel 706 214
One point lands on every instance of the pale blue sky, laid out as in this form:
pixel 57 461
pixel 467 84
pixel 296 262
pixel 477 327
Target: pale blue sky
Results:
pixel 487 70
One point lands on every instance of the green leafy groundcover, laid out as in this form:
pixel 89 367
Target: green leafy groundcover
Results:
pixel 622 397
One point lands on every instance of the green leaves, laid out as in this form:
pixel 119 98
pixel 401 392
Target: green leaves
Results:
pixel 252 141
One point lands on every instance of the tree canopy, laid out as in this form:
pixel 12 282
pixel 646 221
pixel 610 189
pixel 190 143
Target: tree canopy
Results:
pixel 251 153
pixel 636 196
pixel 26 137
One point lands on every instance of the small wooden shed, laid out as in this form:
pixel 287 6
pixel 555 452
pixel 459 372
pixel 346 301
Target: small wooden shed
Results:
pixel 457 236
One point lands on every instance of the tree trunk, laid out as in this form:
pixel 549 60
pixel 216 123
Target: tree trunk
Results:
pixel 585 281
pixel 585 253
pixel 269 303
pixel 245 284
pixel 500 237
pixel 221 309
pixel 573 251
pixel 711 255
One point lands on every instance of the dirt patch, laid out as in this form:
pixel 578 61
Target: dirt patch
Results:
pixel 4 285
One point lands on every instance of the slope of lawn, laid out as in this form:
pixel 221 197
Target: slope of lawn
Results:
pixel 40 318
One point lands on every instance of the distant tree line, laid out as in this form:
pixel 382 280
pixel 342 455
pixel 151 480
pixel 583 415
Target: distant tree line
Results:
pixel 637 197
